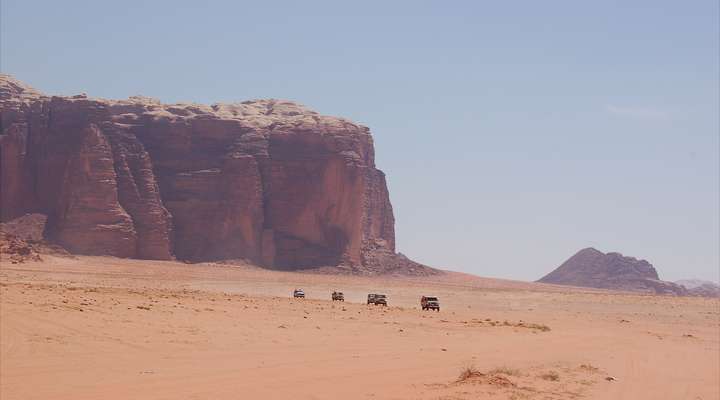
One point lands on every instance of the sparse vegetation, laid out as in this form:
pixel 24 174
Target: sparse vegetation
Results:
pixel 505 371
pixel 540 327
pixel 495 377
pixel 519 324
pixel 550 376
pixel 589 368
pixel 469 372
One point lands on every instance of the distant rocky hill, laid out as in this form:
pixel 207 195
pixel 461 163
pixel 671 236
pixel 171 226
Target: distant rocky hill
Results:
pixel 697 287
pixel 592 268
pixel 268 181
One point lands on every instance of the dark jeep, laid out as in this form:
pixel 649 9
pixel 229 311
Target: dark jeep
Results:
pixel 430 303
pixel 377 299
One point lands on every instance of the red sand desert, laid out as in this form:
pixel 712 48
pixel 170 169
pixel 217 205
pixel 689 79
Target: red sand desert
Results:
pixel 99 327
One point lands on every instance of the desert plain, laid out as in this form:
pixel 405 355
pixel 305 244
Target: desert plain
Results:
pixel 108 328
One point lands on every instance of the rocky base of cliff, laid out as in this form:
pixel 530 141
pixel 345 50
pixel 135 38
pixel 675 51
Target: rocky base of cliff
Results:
pixel 14 250
pixel 392 264
pixel 22 239
pixel 378 259
pixel 643 285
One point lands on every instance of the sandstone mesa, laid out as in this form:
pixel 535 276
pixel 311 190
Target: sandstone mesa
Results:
pixel 268 181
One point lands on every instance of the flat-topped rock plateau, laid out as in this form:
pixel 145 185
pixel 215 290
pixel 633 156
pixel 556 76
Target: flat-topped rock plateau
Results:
pixel 266 181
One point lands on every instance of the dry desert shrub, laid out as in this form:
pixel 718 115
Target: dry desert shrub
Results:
pixel 550 376
pixel 505 371
pixel 468 372
pixel 589 368
pixel 540 327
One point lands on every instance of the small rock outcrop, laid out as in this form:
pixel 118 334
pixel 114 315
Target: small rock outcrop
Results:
pixel 14 250
pixel 592 268
pixel 22 239
pixel 268 181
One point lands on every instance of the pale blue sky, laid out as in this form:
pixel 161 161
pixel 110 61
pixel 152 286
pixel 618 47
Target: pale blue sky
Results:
pixel 513 133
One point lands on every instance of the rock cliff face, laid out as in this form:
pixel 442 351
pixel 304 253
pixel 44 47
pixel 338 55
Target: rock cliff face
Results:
pixel 268 181
pixel 592 268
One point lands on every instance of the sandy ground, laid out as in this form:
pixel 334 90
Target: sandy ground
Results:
pixel 103 328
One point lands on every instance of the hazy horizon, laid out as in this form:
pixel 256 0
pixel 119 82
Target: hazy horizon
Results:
pixel 511 136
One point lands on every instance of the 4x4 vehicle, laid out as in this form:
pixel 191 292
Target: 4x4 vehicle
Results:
pixel 338 296
pixel 430 303
pixel 377 299
pixel 299 293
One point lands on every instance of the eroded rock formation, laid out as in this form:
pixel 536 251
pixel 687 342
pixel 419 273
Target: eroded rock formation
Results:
pixel 268 181
pixel 700 288
pixel 592 268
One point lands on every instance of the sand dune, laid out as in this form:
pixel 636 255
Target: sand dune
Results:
pixel 94 327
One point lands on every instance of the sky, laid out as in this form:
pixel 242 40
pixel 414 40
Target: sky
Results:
pixel 513 134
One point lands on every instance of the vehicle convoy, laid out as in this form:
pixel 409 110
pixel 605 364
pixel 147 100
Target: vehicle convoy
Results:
pixel 430 303
pixel 299 293
pixel 338 296
pixel 377 299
